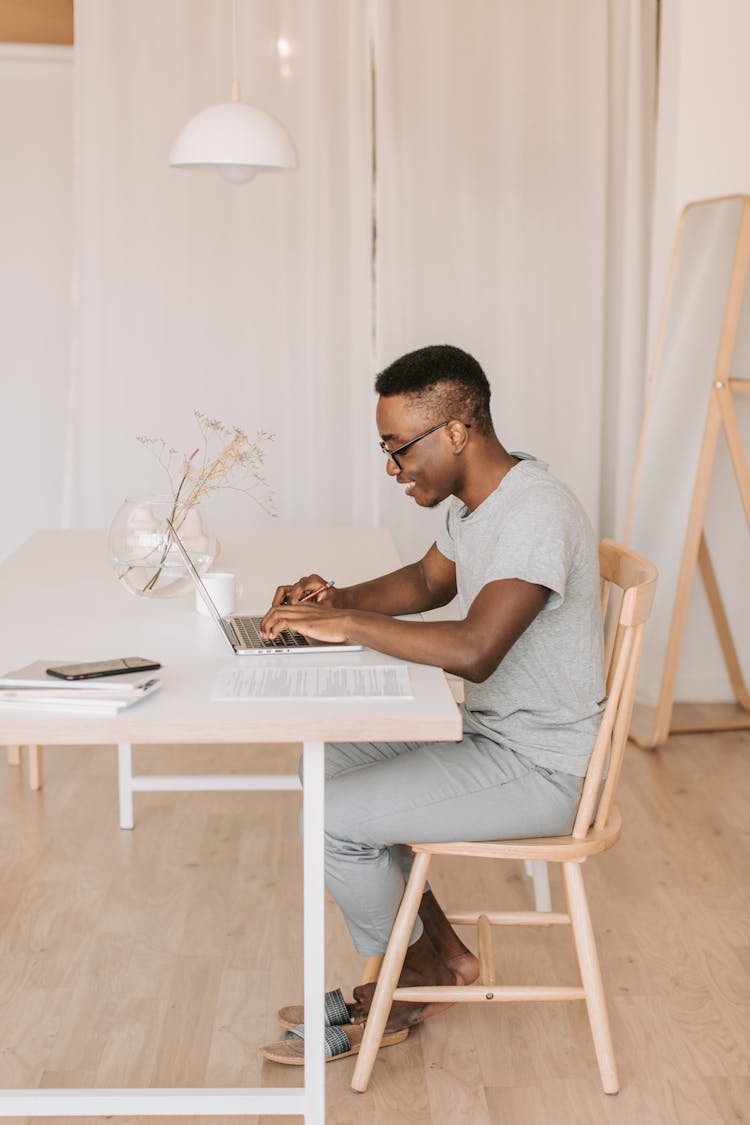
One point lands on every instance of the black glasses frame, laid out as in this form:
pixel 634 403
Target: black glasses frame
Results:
pixel 393 454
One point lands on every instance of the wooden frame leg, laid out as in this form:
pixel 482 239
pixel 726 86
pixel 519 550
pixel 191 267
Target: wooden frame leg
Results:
pixel 591 977
pixel 721 621
pixel 371 970
pixel 390 971
pixel 36 767
pixel 14 755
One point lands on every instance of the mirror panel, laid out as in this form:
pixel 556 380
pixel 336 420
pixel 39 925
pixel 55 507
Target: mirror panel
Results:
pixel 679 393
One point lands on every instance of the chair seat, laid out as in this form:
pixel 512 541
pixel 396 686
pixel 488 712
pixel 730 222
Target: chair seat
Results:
pixel 554 849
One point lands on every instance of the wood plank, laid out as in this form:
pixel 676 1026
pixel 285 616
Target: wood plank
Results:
pixel 36 21
pixel 199 907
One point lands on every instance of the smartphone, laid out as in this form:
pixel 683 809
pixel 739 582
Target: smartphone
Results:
pixel 103 668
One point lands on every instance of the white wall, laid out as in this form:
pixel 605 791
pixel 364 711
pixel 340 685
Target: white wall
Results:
pixel 36 238
pixel 248 303
pixel 703 152
pixel 491 218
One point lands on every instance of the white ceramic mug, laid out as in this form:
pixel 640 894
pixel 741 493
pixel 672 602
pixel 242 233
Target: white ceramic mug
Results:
pixel 224 590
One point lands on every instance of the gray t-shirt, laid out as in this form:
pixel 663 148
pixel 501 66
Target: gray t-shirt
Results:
pixel 545 699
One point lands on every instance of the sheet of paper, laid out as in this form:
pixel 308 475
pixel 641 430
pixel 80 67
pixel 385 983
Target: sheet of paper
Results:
pixel 377 681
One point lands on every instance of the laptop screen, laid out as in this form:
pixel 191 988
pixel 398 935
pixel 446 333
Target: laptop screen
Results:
pixel 200 585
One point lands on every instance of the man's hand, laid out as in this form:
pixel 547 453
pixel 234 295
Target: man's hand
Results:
pixel 303 588
pixel 318 622
pixel 472 648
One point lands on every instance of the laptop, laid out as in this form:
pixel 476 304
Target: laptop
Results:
pixel 243 632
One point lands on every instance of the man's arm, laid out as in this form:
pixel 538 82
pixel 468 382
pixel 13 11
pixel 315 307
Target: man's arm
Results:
pixel 471 648
pixel 422 585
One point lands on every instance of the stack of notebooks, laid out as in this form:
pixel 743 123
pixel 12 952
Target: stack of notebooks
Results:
pixel 31 689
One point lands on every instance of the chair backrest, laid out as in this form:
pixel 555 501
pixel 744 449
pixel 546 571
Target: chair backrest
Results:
pixel 635 577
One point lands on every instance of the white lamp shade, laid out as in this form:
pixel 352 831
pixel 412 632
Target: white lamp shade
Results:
pixel 238 139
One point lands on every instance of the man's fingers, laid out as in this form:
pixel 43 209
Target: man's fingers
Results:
pixel 293 593
pixel 310 619
pixel 310 584
pixel 270 626
pixel 278 618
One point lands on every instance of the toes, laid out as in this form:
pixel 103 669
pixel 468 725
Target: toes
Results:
pixel 404 1015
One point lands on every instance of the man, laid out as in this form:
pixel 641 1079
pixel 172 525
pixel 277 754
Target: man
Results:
pixel 519 551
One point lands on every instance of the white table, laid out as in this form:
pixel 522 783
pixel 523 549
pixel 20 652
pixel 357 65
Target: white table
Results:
pixel 62 584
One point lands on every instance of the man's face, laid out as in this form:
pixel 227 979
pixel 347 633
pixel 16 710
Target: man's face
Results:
pixel 427 468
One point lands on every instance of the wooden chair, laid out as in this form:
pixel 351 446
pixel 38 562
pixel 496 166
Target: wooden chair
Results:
pixel 596 829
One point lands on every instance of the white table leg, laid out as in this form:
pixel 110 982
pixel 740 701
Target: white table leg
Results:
pixel 129 783
pixel 36 768
pixel 267 1101
pixel 125 784
pixel 538 870
pixel 314 931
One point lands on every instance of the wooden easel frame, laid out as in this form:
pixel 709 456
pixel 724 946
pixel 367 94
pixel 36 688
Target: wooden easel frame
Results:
pixel 651 726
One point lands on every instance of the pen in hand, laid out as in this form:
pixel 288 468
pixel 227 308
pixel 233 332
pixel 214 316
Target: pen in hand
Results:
pixel 314 593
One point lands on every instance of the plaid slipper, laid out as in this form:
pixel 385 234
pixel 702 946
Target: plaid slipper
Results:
pixel 339 1044
pixel 335 1012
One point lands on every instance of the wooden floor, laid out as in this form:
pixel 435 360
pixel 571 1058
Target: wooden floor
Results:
pixel 159 956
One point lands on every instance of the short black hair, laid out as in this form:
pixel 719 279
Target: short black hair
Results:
pixel 446 379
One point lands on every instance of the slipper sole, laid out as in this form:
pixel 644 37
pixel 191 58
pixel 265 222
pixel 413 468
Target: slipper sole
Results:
pixel 291 1052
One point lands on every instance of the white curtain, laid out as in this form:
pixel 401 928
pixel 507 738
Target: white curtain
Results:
pixel 251 304
pixel 512 150
pixel 514 143
pixel 36 220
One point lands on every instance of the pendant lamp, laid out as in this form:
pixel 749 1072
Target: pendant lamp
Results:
pixel 236 139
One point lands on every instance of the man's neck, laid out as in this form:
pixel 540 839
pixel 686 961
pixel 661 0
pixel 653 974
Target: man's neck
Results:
pixel 484 475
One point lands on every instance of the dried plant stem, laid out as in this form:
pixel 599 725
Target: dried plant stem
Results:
pixel 155 577
pixel 236 464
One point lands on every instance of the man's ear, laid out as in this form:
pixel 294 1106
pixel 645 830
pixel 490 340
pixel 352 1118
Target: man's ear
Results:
pixel 459 435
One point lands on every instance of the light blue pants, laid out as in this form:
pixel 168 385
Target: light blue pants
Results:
pixel 379 795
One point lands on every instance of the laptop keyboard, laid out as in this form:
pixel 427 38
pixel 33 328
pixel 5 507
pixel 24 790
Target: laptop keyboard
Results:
pixel 248 633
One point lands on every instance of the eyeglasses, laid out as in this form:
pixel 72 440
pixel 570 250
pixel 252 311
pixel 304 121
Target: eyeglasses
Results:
pixel 393 454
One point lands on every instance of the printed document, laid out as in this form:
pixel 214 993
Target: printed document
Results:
pixel 377 681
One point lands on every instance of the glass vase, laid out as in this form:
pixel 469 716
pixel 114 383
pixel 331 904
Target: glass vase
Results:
pixel 145 561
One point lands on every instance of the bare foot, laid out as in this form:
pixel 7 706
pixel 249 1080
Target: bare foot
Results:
pixel 465 966
pixel 448 946
pixel 422 966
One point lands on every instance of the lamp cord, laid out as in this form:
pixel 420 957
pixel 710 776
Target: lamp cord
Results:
pixel 235 75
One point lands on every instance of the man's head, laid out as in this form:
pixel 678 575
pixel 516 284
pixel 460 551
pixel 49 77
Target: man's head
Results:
pixel 431 401
pixel 442 380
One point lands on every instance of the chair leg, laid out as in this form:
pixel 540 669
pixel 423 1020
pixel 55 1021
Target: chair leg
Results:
pixel 390 971
pixel 371 970
pixel 588 962
pixel 14 755
pixel 36 767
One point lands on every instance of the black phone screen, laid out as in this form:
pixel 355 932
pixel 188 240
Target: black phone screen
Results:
pixel 96 668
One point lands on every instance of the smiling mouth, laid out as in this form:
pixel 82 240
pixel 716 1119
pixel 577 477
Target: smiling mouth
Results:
pixel 409 487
